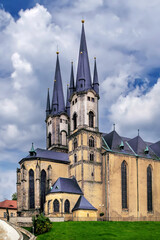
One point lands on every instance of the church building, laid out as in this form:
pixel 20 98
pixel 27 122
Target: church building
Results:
pixel 84 174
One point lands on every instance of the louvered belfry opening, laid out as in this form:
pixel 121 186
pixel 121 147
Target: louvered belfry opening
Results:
pixel 149 189
pixel 124 184
pixel 43 189
pixel 91 119
pixel 31 189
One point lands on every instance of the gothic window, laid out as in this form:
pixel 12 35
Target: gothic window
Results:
pixel 66 206
pixel 91 157
pixel 56 205
pixel 75 158
pixel 75 144
pixel 149 189
pixel 74 121
pixel 49 139
pixel 91 119
pixel 91 142
pixel 64 138
pixel 43 188
pixel 124 184
pixel 31 188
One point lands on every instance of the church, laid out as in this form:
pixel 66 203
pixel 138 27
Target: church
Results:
pixel 83 174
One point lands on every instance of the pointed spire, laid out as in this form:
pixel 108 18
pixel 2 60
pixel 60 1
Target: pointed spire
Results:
pixel 72 87
pixel 58 105
pixel 32 151
pixel 83 70
pixel 67 101
pixel 48 109
pixel 95 78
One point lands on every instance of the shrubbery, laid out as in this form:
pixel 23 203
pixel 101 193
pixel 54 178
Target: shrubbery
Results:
pixel 41 224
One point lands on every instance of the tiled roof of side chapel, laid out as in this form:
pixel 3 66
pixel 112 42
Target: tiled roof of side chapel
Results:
pixel 83 204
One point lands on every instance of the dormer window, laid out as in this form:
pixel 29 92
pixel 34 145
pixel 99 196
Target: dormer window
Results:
pixel 146 150
pixel 121 146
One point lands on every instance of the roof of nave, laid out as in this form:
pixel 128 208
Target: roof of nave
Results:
pixel 49 155
pixel 83 204
pixel 10 204
pixel 136 146
pixel 66 185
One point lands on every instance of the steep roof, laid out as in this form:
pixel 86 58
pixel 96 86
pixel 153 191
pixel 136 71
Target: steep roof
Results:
pixel 156 148
pixel 11 204
pixel 83 70
pixel 49 154
pixel 66 185
pixel 83 204
pixel 95 78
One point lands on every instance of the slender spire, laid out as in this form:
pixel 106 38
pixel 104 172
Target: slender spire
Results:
pixel 95 78
pixel 72 87
pixel 67 101
pixel 83 63
pixel 48 109
pixel 58 105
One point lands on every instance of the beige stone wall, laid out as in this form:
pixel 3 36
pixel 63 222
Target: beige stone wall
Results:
pixel 85 215
pixel 61 197
pixel 12 212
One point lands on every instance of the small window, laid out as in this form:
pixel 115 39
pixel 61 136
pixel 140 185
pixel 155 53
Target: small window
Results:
pixel 66 121
pixel 75 100
pixel 91 119
pixel 60 120
pixel 91 142
pixel 5 214
pixel 92 99
pixel 92 174
pixel 50 122
pixel 75 144
pixel 11 214
pixel 81 85
pixel 88 98
pixel 91 157
pixel 73 103
pixel 54 109
pixel 75 158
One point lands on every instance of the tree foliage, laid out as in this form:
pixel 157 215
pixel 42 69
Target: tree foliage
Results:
pixel 14 196
pixel 41 224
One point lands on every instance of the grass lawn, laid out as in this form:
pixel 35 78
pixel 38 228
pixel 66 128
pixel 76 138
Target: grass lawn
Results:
pixel 102 230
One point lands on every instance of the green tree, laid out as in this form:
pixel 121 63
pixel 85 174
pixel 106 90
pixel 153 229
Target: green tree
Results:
pixel 14 196
pixel 41 224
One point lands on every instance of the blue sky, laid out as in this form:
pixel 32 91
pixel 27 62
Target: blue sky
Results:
pixel 123 35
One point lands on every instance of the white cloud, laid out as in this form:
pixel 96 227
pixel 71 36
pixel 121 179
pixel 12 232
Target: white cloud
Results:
pixel 7 183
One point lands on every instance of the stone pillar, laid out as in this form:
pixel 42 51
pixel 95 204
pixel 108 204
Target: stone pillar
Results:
pixel 49 177
pixel 19 200
pixel 24 188
pixel 37 187
pixel 61 206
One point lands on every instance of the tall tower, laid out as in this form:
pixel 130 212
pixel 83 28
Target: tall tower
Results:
pixel 57 118
pixel 85 139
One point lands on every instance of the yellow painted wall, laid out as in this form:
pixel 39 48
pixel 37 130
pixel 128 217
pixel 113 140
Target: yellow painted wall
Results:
pixel 11 211
pixel 85 215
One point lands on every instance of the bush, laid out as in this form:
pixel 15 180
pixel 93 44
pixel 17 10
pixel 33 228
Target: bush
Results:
pixel 41 224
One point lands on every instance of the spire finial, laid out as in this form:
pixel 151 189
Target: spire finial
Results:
pixel 32 151
pixel 82 21
pixel 94 58
pixel 138 132
pixel 114 126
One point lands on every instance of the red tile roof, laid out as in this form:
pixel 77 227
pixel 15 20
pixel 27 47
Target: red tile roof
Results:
pixel 11 204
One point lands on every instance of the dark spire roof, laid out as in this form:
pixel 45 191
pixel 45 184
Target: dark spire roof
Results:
pixel 72 87
pixel 66 185
pixel 58 97
pixel 83 204
pixel 95 78
pixel 48 109
pixel 156 148
pixel 83 70
pixel 67 102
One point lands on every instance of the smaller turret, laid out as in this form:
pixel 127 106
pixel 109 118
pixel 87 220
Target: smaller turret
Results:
pixel 67 102
pixel 48 109
pixel 95 78
pixel 72 87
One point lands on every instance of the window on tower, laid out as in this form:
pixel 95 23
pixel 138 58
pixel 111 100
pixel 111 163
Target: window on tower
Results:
pixel 75 144
pixel 91 142
pixel 91 157
pixel 49 139
pixel 74 121
pixel 75 158
pixel 91 119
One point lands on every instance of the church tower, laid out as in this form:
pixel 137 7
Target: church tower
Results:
pixel 85 139
pixel 57 115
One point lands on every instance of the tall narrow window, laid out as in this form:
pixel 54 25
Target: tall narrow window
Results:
pixel 64 138
pixel 91 142
pixel 49 140
pixel 75 144
pixel 91 119
pixel 66 206
pixel 43 189
pixel 75 158
pixel 124 184
pixel 31 189
pixel 91 157
pixel 56 205
pixel 74 121
pixel 149 189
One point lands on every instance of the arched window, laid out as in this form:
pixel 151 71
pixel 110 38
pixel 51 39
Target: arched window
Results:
pixel 124 184
pixel 64 138
pixel 91 119
pixel 75 158
pixel 91 142
pixel 149 189
pixel 31 189
pixel 43 189
pixel 49 140
pixel 67 206
pixel 75 144
pixel 91 157
pixel 56 205
pixel 74 121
